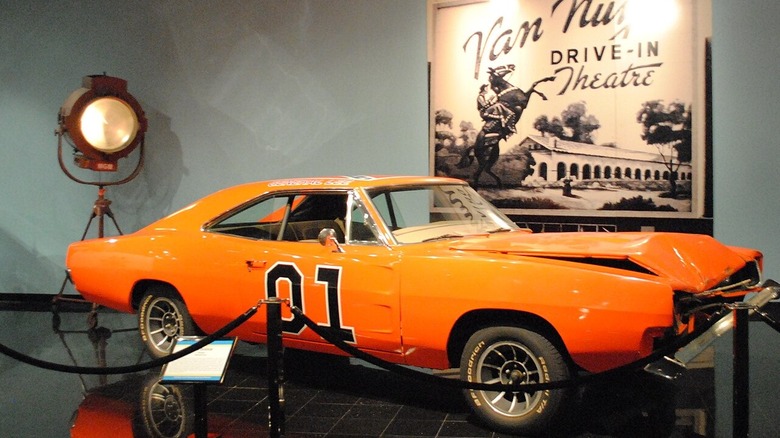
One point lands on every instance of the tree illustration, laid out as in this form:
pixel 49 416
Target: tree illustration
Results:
pixel 547 127
pixel 519 163
pixel 574 124
pixel 668 128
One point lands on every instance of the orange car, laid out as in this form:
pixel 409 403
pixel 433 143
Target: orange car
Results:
pixel 418 271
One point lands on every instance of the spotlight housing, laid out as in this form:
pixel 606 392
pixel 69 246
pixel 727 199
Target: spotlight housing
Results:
pixel 103 122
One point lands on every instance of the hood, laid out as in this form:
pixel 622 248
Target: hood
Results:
pixel 689 262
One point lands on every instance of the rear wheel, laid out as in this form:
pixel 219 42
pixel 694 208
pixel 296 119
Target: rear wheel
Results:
pixel 162 318
pixel 512 355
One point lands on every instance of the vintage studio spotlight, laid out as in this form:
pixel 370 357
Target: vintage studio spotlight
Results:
pixel 103 123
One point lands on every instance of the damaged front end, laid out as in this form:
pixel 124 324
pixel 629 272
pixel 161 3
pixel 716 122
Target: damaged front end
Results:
pixel 715 312
pixel 693 309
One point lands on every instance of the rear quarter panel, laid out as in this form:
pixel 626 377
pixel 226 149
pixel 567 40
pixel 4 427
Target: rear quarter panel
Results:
pixel 208 273
pixel 105 270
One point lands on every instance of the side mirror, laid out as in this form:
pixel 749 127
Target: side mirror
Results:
pixel 327 238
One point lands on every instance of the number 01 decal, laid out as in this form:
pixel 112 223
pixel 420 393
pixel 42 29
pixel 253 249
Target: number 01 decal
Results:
pixel 329 276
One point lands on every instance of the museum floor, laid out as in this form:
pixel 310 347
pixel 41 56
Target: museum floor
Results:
pixel 325 397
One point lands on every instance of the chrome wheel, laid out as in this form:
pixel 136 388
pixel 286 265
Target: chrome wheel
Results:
pixel 514 355
pixel 163 324
pixel 510 363
pixel 162 317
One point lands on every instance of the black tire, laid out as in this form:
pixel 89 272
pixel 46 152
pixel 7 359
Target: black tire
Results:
pixel 509 355
pixel 162 317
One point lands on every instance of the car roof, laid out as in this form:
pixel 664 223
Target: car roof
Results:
pixel 364 181
pixel 336 182
pixel 223 200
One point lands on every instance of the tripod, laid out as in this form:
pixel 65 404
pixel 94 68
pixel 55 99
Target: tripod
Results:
pixel 100 210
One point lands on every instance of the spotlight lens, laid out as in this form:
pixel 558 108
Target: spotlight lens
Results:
pixel 109 124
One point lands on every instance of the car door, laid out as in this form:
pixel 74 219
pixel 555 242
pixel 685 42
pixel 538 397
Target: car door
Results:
pixel 270 250
pixel 354 293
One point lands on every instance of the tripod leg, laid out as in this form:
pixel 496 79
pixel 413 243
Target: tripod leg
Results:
pixel 89 223
pixel 110 214
pixel 92 317
pixel 57 298
pixel 65 281
pixel 67 278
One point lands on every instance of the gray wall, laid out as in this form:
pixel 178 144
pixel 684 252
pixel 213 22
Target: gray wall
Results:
pixel 745 67
pixel 246 90
pixel 746 60
pixel 234 91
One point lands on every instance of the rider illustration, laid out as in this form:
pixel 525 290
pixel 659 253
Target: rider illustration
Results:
pixel 500 113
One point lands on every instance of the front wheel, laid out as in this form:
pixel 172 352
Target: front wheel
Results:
pixel 512 355
pixel 162 318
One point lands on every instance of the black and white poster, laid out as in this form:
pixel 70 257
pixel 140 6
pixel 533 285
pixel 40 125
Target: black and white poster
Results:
pixel 572 107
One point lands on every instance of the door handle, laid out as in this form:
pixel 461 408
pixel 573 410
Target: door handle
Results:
pixel 255 264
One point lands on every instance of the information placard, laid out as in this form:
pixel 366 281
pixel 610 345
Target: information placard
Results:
pixel 209 364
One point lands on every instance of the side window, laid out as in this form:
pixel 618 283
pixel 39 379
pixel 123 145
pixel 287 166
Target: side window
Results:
pixel 288 217
pixel 360 229
pixel 264 212
pixel 262 220
pixel 315 212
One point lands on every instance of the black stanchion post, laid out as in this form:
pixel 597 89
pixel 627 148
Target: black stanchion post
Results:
pixel 201 411
pixel 741 408
pixel 275 367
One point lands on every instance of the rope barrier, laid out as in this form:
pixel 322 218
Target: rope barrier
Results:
pixel 357 353
pixel 71 369
pixel 275 367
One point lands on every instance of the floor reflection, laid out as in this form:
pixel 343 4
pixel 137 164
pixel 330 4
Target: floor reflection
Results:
pixel 324 396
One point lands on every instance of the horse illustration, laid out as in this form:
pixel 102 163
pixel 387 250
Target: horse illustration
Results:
pixel 500 114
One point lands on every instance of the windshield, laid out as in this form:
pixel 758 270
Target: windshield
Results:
pixel 426 213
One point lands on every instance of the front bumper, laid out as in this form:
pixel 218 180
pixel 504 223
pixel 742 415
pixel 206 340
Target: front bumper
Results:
pixel 672 367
